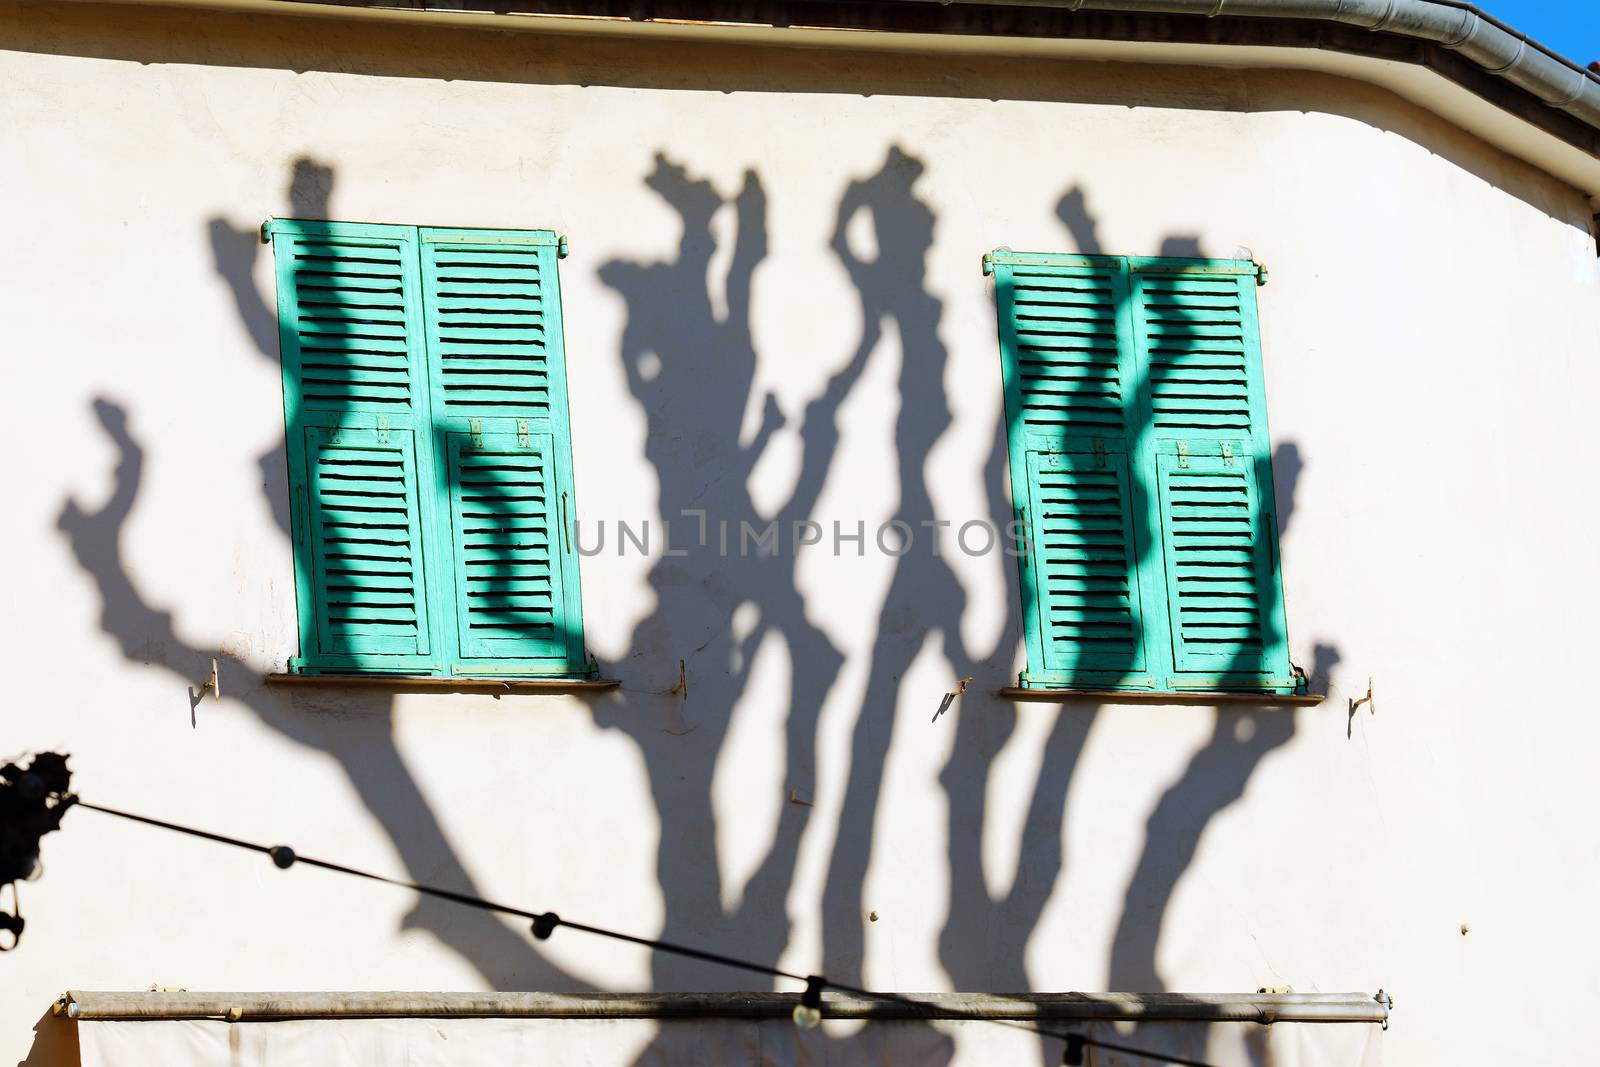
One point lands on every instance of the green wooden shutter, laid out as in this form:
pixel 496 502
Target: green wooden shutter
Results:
pixel 1208 451
pixel 356 406
pixel 429 449
pixel 498 393
pixel 1141 468
pixel 1069 371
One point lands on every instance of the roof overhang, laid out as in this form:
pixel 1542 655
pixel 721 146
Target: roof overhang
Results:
pixel 1446 57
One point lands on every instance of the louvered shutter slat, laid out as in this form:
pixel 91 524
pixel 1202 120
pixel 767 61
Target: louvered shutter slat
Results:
pixel 348 342
pixel 1081 541
pixel 365 543
pixel 489 327
pixel 1196 340
pixel 1221 584
pixel 505 519
pixel 1060 333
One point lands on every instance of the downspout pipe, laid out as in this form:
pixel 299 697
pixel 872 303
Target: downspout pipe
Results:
pixel 1461 28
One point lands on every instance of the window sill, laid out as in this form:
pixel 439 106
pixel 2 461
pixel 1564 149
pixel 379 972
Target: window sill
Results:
pixel 1145 696
pixel 434 682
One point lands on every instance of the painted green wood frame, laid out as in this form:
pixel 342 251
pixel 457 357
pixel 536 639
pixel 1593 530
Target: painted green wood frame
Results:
pixel 429 451
pixel 1141 471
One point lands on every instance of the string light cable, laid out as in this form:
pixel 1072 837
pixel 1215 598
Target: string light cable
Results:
pixel 807 1014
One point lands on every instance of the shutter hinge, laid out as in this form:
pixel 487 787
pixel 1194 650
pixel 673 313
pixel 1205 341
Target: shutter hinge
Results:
pixel 1183 453
pixel 383 428
pixel 1099 454
pixel 1227 452
pixel 561 247
pixel 522 433
pixel 477 433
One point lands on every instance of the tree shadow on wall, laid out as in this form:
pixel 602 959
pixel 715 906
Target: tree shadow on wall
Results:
pixel 359 732
pixel 925 601
pixel 1218 773
pixel 693 373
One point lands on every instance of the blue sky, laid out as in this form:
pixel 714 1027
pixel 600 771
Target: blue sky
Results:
pixel 1571 27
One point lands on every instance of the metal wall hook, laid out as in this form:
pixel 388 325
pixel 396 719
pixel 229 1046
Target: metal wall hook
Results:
pixel 210 683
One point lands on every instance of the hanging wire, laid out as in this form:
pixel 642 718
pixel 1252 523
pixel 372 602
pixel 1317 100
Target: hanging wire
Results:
pixel 807 1014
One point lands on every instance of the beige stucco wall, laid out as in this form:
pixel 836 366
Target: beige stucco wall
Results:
pixel 1431 349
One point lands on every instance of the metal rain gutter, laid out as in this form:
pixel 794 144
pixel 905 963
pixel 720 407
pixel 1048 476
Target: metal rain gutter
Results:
pixel 1461 28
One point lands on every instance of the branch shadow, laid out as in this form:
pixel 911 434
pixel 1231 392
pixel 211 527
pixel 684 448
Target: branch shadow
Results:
pixel 360 735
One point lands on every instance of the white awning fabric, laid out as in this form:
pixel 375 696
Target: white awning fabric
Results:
pixel 769 1043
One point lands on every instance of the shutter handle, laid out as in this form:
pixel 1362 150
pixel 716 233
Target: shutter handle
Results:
pixel 1026 545
pixel 566 535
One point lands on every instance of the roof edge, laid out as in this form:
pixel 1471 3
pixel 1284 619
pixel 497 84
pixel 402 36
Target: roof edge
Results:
pixel 1501 85
pixel 1488 43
